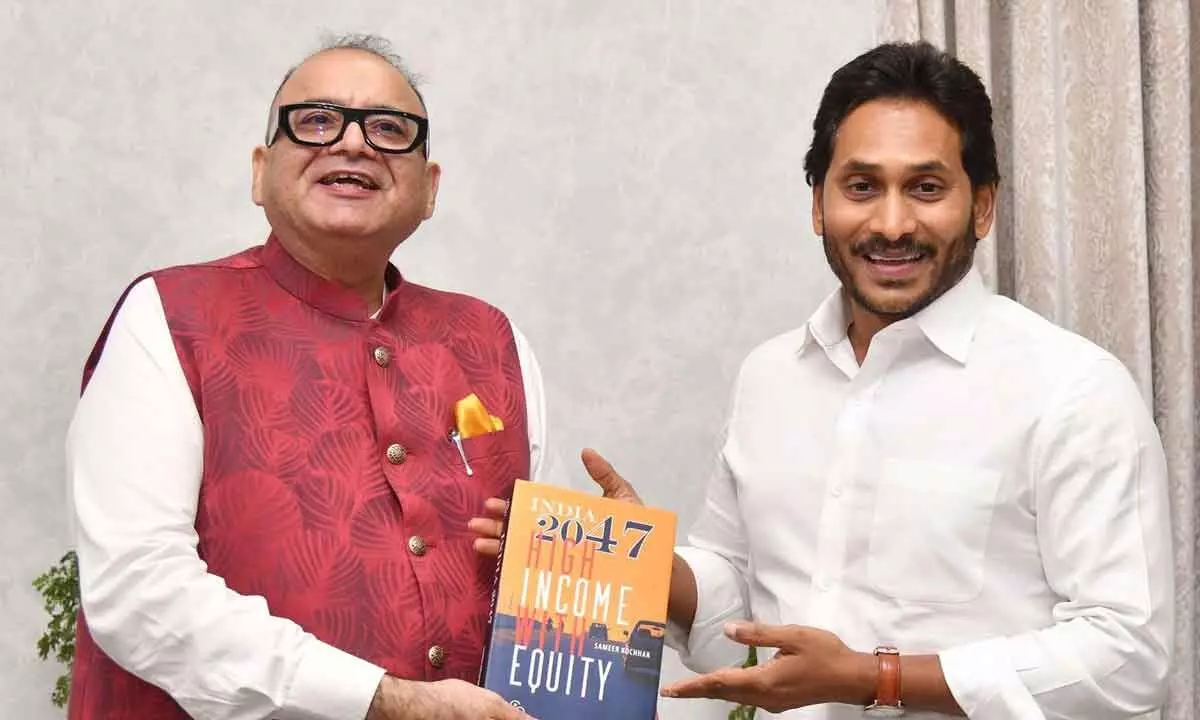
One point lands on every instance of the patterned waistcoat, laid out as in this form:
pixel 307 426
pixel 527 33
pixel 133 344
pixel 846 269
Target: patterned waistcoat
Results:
pixel 331 487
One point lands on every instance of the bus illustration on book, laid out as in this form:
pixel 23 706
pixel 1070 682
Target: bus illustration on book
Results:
pixel 579 606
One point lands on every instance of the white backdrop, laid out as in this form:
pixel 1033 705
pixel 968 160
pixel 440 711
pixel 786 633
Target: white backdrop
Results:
pixel 623 178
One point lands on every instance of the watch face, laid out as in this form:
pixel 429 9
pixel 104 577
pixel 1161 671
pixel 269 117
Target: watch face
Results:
pixel 883 711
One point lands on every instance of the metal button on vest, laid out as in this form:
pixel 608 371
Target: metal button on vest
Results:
pixel 437 656
pixel 382 356
pixel 396 453
pixel 417 546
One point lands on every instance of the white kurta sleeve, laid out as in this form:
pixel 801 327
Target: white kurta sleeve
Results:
pixel 716 553
pixel 134 457
pixel 535 406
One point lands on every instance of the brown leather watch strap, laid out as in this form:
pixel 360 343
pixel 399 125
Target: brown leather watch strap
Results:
pixel 887 688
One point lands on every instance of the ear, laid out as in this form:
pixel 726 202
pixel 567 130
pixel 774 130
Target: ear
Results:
pixel 984 209
pixel 433 177
pixel 258 162
pixel 818 211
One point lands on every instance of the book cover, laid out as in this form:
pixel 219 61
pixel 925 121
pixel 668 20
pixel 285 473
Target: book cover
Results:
pixel 579 607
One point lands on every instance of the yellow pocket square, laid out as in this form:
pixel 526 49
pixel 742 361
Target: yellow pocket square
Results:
pixel 471 418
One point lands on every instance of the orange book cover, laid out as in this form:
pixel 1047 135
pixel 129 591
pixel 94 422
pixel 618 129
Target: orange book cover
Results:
pixel 579 607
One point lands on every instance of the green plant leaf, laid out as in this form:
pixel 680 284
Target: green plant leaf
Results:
pixel 746 712
pixel 59 587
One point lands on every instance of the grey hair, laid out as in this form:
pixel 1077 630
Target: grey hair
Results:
pixel 365 42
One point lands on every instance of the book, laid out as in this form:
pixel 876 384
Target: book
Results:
pixel 579 605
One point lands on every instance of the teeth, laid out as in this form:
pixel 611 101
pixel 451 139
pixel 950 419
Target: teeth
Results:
pixel 882 258
pixel 354 179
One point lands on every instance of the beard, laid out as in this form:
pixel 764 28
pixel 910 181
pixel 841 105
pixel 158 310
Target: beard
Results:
pixel 950 265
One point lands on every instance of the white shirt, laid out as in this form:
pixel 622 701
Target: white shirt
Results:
pixel 134 455
pixel 986 486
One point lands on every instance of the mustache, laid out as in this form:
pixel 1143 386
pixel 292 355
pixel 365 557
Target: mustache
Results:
pixel 907 244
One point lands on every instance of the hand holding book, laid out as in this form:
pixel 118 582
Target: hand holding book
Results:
pixel 397 699
pixel 490 525
pixel 579 602
pixel 610 481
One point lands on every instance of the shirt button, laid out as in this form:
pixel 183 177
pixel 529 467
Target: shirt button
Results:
pixel 382 356
pixel 822 584
pixel 836 490
pixel 417 546
pixel 396 453
pixel 437 656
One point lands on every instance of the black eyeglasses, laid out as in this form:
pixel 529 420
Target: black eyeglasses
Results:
pixel 321 124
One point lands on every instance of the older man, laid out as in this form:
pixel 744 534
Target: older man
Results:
pixel 930 500
pixel 277 455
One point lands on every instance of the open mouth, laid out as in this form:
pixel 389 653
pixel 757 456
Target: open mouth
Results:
pixel 343 179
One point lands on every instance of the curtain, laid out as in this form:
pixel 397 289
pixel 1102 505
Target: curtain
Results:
pixel 1096 118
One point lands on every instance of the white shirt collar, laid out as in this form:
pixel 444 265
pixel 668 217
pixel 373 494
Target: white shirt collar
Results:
pixel 948 322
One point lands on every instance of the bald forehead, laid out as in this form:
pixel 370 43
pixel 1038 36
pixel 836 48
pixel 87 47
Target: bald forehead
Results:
pixel 351 77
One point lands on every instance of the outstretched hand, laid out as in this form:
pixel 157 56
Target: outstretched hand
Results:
pixel 812 666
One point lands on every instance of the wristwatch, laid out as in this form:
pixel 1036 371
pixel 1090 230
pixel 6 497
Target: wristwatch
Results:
pixel 887 687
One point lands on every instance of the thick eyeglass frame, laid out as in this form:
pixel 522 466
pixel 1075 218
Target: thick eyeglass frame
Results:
pixel 349 116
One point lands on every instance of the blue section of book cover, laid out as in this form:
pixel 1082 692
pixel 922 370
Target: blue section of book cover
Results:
pixel 552 674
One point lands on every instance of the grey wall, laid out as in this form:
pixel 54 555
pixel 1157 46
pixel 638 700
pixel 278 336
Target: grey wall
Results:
pixel 624 178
